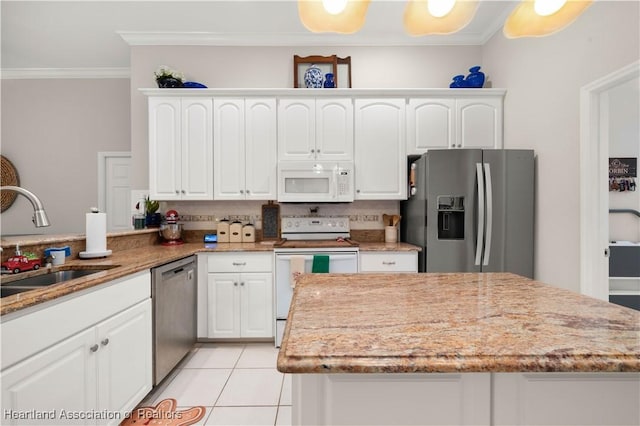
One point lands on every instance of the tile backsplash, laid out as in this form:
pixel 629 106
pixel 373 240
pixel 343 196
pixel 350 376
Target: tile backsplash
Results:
pixel 206 214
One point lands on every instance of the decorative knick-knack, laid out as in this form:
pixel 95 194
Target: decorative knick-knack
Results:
pixel 475 77
pixel 328 81
pixel 458 81
pixel 313 77
pixel 169 82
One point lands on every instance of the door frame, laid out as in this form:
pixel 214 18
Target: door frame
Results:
pixel 594 204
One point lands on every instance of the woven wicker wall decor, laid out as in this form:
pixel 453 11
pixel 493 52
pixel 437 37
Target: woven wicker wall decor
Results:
pixel 8 176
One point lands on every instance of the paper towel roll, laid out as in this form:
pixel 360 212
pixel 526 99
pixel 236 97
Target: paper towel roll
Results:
pixel 96 232
pixel 96 235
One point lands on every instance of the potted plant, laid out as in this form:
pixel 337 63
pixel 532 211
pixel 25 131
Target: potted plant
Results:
pixel 168 78
pixel 152 219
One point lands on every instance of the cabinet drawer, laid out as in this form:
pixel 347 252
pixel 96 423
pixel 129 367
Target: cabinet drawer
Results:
pixel 389 262
pixel 240 262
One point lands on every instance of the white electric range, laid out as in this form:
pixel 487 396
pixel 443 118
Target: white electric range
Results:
pixel 305 237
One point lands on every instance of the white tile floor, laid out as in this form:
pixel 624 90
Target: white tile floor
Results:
pixel 237 383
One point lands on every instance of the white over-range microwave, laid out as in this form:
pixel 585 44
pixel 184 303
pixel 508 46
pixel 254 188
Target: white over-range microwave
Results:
pixel 315 181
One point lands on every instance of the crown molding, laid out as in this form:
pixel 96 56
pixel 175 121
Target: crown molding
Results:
pixel 177 38
pixel 46 73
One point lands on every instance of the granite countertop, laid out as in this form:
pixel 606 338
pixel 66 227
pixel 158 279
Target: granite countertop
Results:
pixel 458 322
pixel 126 262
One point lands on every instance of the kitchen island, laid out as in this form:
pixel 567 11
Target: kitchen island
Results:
pixel 467 348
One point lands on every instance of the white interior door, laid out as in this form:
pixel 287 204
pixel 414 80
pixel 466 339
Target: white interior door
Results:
pixel 115 189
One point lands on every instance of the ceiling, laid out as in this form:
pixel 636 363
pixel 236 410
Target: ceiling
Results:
pixel 98 34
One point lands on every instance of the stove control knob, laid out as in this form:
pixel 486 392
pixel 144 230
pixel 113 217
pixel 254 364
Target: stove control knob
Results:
pixel 341 224
pixel 288 224
pixel 297 223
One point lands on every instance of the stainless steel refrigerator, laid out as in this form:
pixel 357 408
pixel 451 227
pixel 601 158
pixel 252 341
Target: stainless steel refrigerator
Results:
pixel 472 210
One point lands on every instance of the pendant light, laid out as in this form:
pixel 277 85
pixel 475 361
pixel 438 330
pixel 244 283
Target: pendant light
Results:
pixel 536 18
pixel 338 16
pixel 422 17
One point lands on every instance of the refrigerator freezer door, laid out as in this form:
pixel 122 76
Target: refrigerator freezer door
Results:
pixel 511 211
pixel 451 173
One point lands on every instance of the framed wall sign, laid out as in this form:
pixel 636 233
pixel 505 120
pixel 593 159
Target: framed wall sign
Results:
pixel 623 167
pixel 339 67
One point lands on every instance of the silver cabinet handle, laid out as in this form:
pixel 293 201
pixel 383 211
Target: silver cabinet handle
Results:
pixel 318 151
pixel 388 263
pixel 248 192
pixel 241 191
pixel 184 192
pixel 94 348
pixel 235 284
pixel 313 150
pixel 105 342
pixel 242 283
pixel 177 192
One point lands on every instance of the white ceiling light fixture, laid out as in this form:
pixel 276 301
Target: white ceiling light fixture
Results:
pixel 423 17
pixel 440 8
pixel 338 16
pixel 537 18
pixel 334 7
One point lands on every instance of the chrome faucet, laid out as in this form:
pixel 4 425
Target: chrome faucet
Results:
pixel 40 218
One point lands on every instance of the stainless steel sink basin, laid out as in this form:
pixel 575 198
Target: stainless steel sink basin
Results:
pixel 44 280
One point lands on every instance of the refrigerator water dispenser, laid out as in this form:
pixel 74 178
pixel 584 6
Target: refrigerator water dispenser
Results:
pixel 450 217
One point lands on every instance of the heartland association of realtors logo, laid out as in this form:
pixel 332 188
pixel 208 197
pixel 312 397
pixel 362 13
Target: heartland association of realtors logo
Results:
pixel 623 167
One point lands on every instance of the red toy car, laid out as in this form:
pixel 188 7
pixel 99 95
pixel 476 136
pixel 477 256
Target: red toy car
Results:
pixel 21 263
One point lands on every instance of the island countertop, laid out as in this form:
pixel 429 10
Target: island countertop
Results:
pixel 457 322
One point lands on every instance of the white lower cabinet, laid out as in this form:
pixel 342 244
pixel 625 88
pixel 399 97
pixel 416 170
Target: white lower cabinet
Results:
pixel 389 261
pixel 240 295
pixel 93 376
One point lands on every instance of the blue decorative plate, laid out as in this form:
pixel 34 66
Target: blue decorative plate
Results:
pixel 193 85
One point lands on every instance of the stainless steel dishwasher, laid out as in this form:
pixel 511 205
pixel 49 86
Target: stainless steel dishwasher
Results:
pixel 174 295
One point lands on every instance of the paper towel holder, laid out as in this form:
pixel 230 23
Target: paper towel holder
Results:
pixel 94 253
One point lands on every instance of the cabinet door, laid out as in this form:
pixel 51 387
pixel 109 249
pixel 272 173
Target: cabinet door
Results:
pixel 229 149
pixel 125 359
pixel 296 129
pixel 430 124
pixel 197 149
pixel 256 305
pixel 380 149
pixel 334 129
pixel 224 305
pixel 62 377
pixel 479 123
pixel 261 157
pixel 164 148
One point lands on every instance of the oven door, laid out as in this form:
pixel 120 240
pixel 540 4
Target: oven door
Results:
pixel 339 262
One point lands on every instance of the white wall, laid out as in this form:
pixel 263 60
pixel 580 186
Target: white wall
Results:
pixel 52 131
pixel 543 77
pixel 623 123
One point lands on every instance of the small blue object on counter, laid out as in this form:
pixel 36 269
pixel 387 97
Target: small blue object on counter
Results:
pixel 193 85
pixel 66 249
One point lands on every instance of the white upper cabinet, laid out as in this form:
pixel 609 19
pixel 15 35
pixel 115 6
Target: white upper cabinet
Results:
pixel 180 148
pixel 479 123
pixel 430 124
pixel 441 123
pixel 245 146
pixel 315 129
pixel 380 149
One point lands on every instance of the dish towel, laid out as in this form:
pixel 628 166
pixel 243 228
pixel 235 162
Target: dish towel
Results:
pixel 296 268
pixel 320 263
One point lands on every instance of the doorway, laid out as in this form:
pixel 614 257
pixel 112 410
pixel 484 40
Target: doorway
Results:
pixel 114 189
pixel 594 173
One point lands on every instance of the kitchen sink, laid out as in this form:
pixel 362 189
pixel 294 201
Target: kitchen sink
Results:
pixel 44 280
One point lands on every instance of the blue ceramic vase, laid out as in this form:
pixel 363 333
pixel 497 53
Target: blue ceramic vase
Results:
pixel 475 77
pixel 458 82
pixel 328 81
pixel 313 78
